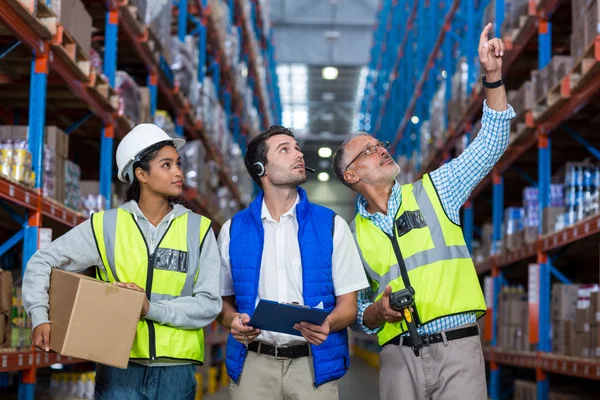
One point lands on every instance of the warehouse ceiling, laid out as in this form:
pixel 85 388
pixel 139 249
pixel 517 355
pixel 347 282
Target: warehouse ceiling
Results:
pixel 309 36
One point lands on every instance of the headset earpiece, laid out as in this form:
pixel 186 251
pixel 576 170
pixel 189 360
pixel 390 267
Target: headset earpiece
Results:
pixel 259 168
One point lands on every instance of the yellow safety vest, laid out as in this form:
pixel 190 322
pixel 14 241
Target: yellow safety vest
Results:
pixel 438 264
pixel 167 274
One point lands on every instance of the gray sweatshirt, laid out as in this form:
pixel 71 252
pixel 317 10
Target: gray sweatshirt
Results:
pixel 76 250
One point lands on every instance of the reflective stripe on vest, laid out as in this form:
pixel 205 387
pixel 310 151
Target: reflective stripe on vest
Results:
pixel 175 267
pixel 436 257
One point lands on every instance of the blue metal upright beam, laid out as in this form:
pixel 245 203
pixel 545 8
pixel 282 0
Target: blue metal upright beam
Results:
pixel 544 338
pixel 153 90
pixel 471 43
pixel 544 171
pixel 499 17
pixel 110 69
pixel 202 50
pixel 37 114
pixel 544 43
pixel 182 20
pixel 497 219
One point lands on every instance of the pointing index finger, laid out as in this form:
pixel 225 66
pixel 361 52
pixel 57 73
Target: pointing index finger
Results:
pixel 484 34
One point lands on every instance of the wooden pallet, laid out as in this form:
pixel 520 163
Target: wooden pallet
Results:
pixel 38 16
pixel 100 86
pixel 554 99
pixel 65 47
pixel 586 68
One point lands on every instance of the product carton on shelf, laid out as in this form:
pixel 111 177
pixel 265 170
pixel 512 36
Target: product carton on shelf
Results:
pixel 91 319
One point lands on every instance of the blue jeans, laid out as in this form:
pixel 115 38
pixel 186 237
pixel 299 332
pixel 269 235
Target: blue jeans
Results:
pixel 138 382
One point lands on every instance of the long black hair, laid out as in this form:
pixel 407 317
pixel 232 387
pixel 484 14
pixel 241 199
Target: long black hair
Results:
pixel 134 190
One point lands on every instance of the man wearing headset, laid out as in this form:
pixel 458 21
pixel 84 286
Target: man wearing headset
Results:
pixel 286 249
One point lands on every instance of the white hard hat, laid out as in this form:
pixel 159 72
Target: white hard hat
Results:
pixel 135 142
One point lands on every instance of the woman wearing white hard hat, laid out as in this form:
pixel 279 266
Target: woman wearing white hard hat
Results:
pixel 150 244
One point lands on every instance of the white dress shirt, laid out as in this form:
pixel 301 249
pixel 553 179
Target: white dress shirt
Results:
pixel 281 268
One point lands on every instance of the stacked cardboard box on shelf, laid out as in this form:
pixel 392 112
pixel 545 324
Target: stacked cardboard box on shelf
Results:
pixel 551 75
pixel 522 101
pixel 6 291
pixel 514 235
pixel 563 311
pixel 75 19
pixel 527 390
pixel 512 319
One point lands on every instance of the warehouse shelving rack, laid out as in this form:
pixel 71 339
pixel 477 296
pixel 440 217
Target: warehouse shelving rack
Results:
pixel 41 35
pixel 401 84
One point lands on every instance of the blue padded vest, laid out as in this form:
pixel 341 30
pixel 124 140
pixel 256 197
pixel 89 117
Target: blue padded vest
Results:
pixel 315 238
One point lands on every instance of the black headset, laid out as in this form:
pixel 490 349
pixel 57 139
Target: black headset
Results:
pixel 259 168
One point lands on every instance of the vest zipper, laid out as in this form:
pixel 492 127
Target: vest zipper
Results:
pixel 149 276
pixel 404 274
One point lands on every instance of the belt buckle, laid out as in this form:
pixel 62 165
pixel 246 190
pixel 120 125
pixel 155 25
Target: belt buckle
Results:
pixel 277 354
pixel 425 339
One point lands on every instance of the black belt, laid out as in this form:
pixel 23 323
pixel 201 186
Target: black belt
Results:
pixel 437 337
pixel 302 350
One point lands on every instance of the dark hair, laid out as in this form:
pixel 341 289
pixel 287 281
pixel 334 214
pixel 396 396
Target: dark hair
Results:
pixel 338 163
pixel 134 190
pixel 257 149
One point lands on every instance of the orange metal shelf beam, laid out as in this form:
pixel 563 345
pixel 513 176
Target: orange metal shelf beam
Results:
pixel 24 360
pixel 581 230
pixel 28 198
pixel 586 368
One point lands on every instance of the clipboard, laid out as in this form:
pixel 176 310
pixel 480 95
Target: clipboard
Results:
pixel 281 317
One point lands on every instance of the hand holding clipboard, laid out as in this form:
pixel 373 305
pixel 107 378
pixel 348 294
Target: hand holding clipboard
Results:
pixel 292 319
pixel 242 331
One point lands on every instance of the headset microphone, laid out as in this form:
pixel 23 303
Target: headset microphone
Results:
pixel 310 170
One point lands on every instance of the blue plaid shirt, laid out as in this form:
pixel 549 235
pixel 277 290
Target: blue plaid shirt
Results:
pixel 454 181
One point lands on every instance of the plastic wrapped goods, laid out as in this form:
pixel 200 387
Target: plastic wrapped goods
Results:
pixel 130 99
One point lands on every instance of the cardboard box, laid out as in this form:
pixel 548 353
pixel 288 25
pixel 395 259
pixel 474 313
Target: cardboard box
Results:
pixel 581 345
pixel 91 319
pixel 549 215
pixel 530 234
pixel 595 342
pixel 81 26
pixel 563 336
pixel 525 390
pixel 564 301
pixel 63 10
pixel 514 241
pixel 591 24
pixel 54 137
pixel 145 105
pixel 560 66
pixel 518 311
pixel 6 295
pixel 594 309
pixel 582 320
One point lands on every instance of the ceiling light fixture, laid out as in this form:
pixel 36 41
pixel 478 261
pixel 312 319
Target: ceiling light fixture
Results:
pixel 329 73
pixel 323 176
pixel 325 152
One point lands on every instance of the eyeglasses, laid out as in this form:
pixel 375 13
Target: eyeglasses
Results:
pixel 370 149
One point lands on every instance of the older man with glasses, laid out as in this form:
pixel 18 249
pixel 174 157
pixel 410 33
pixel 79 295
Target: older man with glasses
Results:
pixel 413 249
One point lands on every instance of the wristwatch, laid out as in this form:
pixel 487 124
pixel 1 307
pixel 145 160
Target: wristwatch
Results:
pixel 492 85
